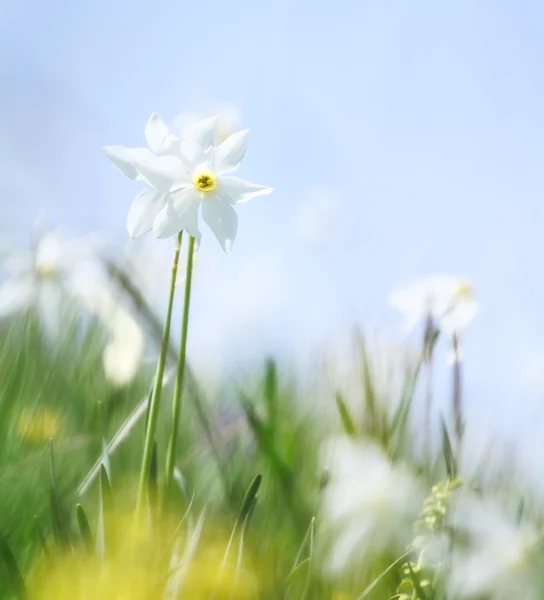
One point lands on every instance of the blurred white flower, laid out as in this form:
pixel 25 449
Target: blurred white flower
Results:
pixel 370 503
pixel 445 298
pixel 56 269
pixel 499 560
pixel 199 175
pixel 228 120
pixel 123 354
pixel 162 142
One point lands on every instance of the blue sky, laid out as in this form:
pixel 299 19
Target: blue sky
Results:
pixel 420 122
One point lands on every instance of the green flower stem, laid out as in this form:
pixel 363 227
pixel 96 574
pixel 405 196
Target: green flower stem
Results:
pixel 180 374
pixel 153 409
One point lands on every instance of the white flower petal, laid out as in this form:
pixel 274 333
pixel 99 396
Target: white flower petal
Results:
pixel 459 316
pixel 202 133
pixel 143 211
pixel 227 156
pixel 185 204
pixel 49 307
pixel 191 153
pixel 164 173
pixel 221 219
pixel 158 135
pixel 15 295
pixel 167 223
pixel 123 354
pixel 237 191
pixel 123 158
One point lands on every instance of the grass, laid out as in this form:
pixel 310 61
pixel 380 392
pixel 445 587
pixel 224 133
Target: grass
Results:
pixel 246 507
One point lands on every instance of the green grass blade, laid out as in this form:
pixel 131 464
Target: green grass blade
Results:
pixel 57 514
pixel 153 478
pixel 15 578
pixel 41 537
pixel 104 515
pixel 347 421
pixel 520 510
pixel 249 498
pixel 271 394
pixel 84 529
pixel 421 595
pixel 380 577
pixel 449 458
pixel 106 492
pixel 103 430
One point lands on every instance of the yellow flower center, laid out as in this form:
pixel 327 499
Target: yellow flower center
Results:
pixel 464 290
pixel 204 180
pixel 45 271
pixel 38 426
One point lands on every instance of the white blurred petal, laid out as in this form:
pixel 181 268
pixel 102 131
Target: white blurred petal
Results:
pixel 202 133
pixel 49 308
pixel 123 158
pixel 497 560
pixel 180 212
pixel 227 156
pixel 123 354
pixel 143 212
pixel 443 297
pixel 185 204
pixel 237 191
pixel 369 503
pixel 15 295
pixel 165 173
pixel 222 219
pixel 191 154
pixel 158 135
pixel 459 316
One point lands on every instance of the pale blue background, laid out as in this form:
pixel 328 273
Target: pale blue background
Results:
pixel 423 119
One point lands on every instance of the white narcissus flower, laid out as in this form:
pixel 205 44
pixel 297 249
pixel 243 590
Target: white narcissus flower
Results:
pixel 200 176
pixel 58 268
pixel 228 118
pixel 185 173
pixel 369 503
pixel 123 354
pixel 445 298
pixel 162 142
pixel 498 562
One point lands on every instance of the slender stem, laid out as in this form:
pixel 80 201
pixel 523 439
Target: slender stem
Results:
pixel 180 374
pixel 153 409
pixel 428 348
pixel 456 396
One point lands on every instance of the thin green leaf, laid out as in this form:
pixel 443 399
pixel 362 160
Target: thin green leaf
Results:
pixel 120 436
pixel 106 492
pixel 376 581
pixel 520 510
pixel 264 440
pixel 104 432
pixel 271 394
pixel 84 529
pixel 41 537
pixel 249 498
pixel 57 514
pixel 400 418
pixel 449 458
pixel 15 578
pixel 347 421
pixel 153 477
pixel 417 585
pixel 104 515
